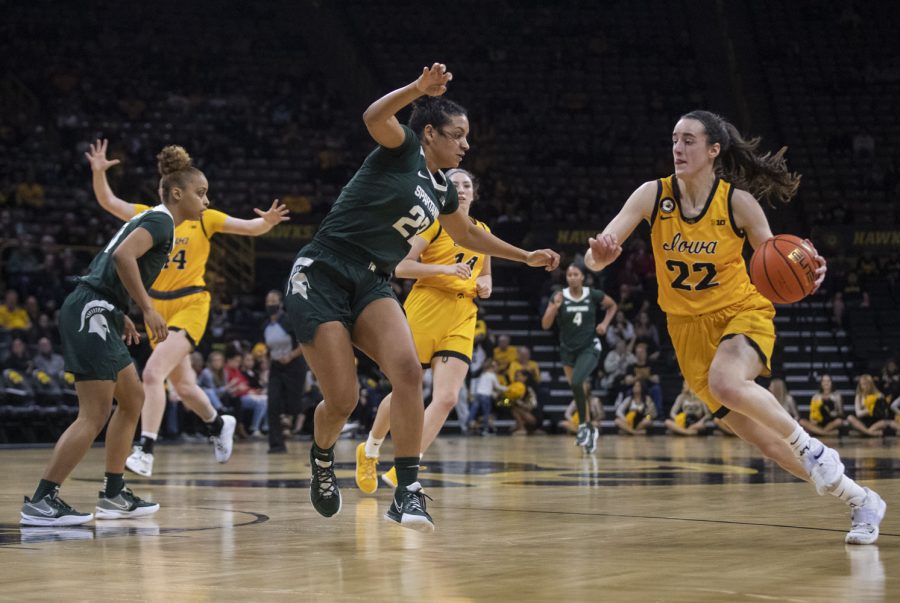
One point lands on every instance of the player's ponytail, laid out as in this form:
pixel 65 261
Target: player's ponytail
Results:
pixel 175 170
pixel 765 176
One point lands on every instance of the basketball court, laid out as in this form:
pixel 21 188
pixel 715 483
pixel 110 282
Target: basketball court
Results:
pixel 518 519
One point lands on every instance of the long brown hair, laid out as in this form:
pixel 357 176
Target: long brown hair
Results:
pixel 765 176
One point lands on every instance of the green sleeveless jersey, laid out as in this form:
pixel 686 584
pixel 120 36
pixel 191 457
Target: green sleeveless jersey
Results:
pixel 577 319
pixel 102 276
pixel 389 200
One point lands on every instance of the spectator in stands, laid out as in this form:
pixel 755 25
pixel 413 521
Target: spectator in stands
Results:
pixel 851 295
pixel 18 358
pixel 29 193
pixel 525 408
pixel 689 415
pixel 524 362
pixel 871 409
pixel 779 389
pixel 198 365
pixel 635 413
pixel 252 398
pixel 890 379
pixel 213 381
pixel 23 263
pixel 826 410
pixel 639 263
pixel 644 370
pixel 488 386
pixel 646 332
pixel 631 302
pixel 616 366
pixel 47 360
pixel 621 328
pixel 45 329
pixel 895 411
pixel 571 421
pixel 13 317
pixel 504 355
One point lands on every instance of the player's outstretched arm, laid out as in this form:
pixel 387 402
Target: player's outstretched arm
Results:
pixel 381 116
pixel 266 221
pixel 466 234
pixel 607 246
pixel 102 191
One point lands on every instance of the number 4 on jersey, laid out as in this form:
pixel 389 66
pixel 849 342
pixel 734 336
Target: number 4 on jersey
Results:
pixel 178 258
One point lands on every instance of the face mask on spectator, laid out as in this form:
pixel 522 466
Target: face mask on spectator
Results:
pixel 273 310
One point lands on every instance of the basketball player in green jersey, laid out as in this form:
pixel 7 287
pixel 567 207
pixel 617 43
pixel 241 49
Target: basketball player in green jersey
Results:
pixel 95 331
pixel 574 309
pixel 339 295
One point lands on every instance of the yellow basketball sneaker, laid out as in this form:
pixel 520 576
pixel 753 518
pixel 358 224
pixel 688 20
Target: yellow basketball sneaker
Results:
pixel 390 477
pixel 366 467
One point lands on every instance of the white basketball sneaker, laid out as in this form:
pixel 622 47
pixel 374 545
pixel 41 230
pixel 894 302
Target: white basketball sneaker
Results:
pixel 140 462
pixel 823 465
pixel 865 519
pixel 224 442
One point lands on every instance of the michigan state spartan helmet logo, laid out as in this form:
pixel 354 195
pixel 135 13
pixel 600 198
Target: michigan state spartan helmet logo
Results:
pixel 92 313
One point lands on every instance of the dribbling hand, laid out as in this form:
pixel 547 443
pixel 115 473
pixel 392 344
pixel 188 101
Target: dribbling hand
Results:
pixel 604 250
pixel 434 80
pixel 546 258
pixel 821 266
pixel 97 156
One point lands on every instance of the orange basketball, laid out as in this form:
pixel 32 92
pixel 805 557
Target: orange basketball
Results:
pixel 784 269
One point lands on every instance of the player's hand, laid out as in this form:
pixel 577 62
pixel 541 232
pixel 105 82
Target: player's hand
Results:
pixel 484 287
pixel 547 258
pixel 557 299
pixel 821 266
pixel 130 333
pixel 434 80
pixel 275 215
pixel 97 156
pixel 157 329
pixel 286 359
pixel 459 270
pixel 601 329
pixel 605 249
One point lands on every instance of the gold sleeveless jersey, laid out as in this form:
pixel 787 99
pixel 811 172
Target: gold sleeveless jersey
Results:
pixel 187 260
pixel 442 250
pixel 699 266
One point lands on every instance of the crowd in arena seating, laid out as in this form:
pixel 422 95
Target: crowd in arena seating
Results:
pixel 265 120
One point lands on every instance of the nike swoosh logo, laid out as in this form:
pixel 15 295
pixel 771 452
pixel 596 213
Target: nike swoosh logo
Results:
pixel 665 217
pixel 421 175
pixel 123 507
pixel 49 513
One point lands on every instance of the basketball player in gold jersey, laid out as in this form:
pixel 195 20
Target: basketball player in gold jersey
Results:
pixel 441 314
pixel 179 294
pixel 721 327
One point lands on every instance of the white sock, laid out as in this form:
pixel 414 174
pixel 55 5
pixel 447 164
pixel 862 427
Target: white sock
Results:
pixel 324 464
pixel 150 434
pixel 801 443
pixel 850 492
pixel 213 417
pixel 373 446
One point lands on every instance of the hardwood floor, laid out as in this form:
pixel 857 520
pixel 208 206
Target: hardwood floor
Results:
pixel 518 519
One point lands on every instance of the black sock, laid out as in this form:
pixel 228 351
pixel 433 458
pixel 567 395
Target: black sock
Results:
pixel 407 470
pixel 146 444
pixel 581 404
pixel 326 455
pixel 113 483
pixel 214 427
pixel 44 488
